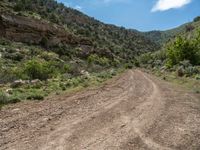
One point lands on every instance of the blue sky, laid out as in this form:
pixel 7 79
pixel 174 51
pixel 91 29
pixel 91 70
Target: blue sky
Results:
pixel 143 15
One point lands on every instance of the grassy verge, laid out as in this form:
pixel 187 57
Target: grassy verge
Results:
pixel 57 86
pixel 190 83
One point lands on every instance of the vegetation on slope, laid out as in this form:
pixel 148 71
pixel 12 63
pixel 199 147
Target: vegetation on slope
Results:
pixel 32 72
pixel 85 51
pixel 162 37
pixel 56 48
pixel 120 41
pixel 178 61
pixel 180 56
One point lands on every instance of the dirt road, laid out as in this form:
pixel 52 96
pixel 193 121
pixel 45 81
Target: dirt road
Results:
pixel 135 111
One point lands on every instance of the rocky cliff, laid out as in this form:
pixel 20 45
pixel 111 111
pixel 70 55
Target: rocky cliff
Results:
pixel 33 31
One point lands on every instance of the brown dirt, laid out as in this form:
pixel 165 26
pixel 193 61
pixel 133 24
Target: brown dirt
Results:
pixel 135 111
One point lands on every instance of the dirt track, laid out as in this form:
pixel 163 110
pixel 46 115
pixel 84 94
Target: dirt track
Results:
pixel 133 112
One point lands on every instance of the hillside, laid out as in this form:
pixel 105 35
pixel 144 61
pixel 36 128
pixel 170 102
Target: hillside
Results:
pixel 124 43
pixel 46 47
pixel 161 37
pixel 68 81
pixel 179 58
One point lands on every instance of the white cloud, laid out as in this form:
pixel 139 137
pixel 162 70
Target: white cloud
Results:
pixel 163 5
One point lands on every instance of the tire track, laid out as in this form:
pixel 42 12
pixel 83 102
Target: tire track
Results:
pixel 133 112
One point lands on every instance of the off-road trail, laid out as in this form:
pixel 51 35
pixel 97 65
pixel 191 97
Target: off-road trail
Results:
pixel 134 111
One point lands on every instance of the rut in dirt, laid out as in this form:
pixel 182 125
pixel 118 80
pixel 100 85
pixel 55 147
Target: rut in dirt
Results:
pixel 135 111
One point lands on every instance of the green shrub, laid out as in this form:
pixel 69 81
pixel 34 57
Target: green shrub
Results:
pixel 4 41
pixel 128 65
pixel 21 5
pixel 160 55
pixel 182 49
pixel 35 96
pixel 197 19
pixel 14 100
pixel 3 98
pixel 197 77
pixel 191 70
pixel 145 58
pixel 94 58
pixel 104 75
pixel 49 56
pixel 180 71
pixel 185 63
pixel 73 69
pixel 8 74
pixel 63 87
pixel 39 69
pixel 14 56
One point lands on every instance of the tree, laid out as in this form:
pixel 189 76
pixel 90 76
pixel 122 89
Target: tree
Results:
pixel 197 19
pixel 22 5
pixel 183 49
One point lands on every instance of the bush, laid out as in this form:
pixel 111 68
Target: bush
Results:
pixel 191 70
pixel 35 97
pixel 94 58
pixel 48 56
pixel 14 56
pixel 197 77
pixel 181 50
pixel 128 65
pixel 180 71
pixel 145 58
pixel 39 69
pixel 197 19
pixel 19 6
pixel 104 75
pixel 22 5
pixel 3 98
pixel 185 63
pixel 8 74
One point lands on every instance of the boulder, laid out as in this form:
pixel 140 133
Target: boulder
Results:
pixel 18 83
pixel 36 81
pixel 85 73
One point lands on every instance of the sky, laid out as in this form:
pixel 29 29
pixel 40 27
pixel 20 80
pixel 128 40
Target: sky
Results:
pixel 143 15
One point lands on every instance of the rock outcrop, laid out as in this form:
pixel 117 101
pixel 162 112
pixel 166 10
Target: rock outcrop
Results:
pixel 33 31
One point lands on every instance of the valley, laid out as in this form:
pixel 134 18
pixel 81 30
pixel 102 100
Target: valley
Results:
pixel 71 82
